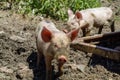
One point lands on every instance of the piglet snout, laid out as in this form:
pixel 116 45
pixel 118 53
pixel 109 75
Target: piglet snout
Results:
pixel 62 59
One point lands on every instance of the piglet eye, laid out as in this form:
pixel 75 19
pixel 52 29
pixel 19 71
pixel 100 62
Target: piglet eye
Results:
pixel 56 46
pixel 72 23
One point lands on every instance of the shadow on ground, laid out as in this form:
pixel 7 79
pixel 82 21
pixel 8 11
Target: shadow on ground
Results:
pixel 38 72
pixel 110 65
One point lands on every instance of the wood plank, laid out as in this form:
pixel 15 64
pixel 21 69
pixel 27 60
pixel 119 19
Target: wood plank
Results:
pixel 98 50
pixel 100 37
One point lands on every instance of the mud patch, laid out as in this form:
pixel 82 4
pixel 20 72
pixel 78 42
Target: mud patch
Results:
pixel 18 52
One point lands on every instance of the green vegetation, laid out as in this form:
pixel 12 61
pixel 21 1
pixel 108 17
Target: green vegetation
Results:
pixel 56 9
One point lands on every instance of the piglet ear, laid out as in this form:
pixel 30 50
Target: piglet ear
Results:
pixel 78 15
pixel 70 12
pixel 46 34
pixel 73 34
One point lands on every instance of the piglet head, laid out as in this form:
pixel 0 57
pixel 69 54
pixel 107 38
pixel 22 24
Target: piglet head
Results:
pixel 59 43
pixel 74 19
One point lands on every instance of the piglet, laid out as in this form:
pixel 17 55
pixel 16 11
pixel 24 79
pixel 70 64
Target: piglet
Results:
pixel 53 44
pixel 89 18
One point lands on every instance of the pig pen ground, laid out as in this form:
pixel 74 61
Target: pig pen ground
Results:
pixel 18 52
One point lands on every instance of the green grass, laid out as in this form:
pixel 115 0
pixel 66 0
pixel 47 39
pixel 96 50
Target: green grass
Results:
pixel 56 9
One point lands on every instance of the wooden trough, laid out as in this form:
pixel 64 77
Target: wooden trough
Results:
pixel 92 44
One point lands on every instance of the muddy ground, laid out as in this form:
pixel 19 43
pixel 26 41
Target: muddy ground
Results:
pixel 18 51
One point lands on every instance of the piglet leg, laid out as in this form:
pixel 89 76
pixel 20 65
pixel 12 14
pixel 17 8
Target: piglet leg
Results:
pixel 112 26
pixel 39 54
pixel 100 29
pixel 48 60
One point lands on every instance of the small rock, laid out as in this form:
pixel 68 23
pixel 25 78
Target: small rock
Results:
pixel 81 67
pixel 110 79
pixel 73 66
pixel 17 38
pixel 21 66
pixel 28 34
pixel 2 32
pixel 20 50
pixel 115 75
pixel 6 70
pixel 23 71
pixel 4 63
pixel 2 75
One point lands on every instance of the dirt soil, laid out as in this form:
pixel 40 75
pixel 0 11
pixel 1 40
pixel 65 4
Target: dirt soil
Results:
pixel 18 52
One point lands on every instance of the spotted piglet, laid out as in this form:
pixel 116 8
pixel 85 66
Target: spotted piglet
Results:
pixel 89 18
pixel 53 44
